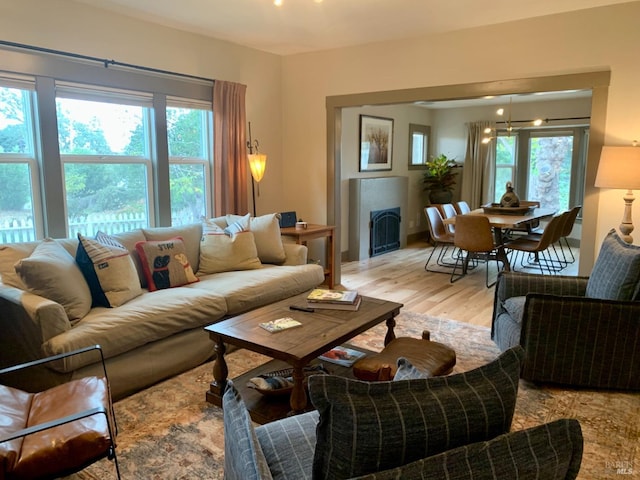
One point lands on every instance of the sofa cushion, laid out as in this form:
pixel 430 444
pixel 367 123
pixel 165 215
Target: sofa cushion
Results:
pixel 222 252
pixel 248 289
pixel 243 457
pixel 616 273
pixel 51 272
pixel 266 230
pixel 365 427
pixel 141 321
pixel 165 263
pixel 190 235
pixel 289 444
pixel 108 270
pixel 552 451
pixel 10 254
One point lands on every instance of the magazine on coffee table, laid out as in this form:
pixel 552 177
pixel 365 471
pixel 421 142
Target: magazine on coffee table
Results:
pixel 342 355
pixel 280 324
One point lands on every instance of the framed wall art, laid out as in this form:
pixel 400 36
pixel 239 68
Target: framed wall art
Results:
pixel 376 143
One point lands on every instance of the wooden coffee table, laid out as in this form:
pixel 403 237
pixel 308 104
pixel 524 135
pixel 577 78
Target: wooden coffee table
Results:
pixel 294 348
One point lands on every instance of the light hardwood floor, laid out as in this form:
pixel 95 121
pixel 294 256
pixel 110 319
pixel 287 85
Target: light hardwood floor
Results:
pixel 400 276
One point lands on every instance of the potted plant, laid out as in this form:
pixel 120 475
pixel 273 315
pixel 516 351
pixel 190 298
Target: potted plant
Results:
pixel 439 178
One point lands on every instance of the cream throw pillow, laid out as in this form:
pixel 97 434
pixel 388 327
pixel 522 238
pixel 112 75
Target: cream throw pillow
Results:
pixel 221 252
pixel 51 272
pixel 266 231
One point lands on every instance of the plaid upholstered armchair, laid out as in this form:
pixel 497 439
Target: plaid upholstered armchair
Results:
pixel 579 331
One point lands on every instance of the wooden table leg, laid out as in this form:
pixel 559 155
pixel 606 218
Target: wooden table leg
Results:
pixel 391 335
pixel 220 369
pixel 298 399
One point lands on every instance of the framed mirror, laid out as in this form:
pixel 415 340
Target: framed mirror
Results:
pixel 419 144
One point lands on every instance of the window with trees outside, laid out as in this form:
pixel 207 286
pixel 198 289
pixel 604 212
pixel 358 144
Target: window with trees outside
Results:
pixel 545 165
pixel 114 173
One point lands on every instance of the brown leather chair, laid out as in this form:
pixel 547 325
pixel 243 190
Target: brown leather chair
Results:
pixel 440 237
pixel 474 238
pixel 59 431
pixel 449 211
pixel 462 207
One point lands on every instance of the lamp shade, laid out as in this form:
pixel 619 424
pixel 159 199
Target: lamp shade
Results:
pixel 257 164
pixel 619 167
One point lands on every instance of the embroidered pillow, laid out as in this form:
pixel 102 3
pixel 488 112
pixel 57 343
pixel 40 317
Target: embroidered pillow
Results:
pixel 165 263
pixel 366 427
pixel 224 252
pixel 51 272
pixel 108 269
pixel 266 231
pixel 616 273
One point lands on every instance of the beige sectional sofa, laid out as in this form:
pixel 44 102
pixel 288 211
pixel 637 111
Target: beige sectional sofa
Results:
pixel 154 334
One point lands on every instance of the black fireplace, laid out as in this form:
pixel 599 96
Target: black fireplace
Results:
pixel 385 231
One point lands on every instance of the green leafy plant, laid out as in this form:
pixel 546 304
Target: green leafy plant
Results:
pixel 440 173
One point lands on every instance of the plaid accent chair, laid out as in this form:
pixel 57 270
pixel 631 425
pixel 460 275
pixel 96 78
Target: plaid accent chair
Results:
pixel 578 331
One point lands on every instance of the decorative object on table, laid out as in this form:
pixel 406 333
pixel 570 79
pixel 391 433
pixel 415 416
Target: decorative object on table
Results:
pixel 439 179
pixel 510 199
pixel 376 143
pixel 288 219
pixel 280 382
pixel 342 355
pixel 496 209
pixel 280 324
pixel 301 224
pixel 619 167
pixel 257 164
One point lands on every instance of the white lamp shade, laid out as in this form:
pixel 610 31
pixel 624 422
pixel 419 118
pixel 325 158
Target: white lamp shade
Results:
pixel 619 167
pixel 257 164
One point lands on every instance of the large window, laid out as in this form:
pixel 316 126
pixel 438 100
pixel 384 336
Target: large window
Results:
pixel 18 167
pixel 104 147
pixel 110 166
pixel 544 165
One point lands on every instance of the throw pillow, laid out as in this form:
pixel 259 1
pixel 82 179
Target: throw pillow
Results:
pixel 266 230
pixel 616 273
pixel 165 263
pixel 10 254
pixel 515 308
pixel 108 269
pixel 407 371
pixel 190 235
pixel 371 426
pixel 220 252
pixel 243 457
pixel 51 272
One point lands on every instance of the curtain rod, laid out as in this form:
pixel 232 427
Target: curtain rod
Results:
pixel 104 61
pixel 545 120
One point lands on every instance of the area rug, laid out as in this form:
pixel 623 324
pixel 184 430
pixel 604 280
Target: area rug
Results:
pixel 169 431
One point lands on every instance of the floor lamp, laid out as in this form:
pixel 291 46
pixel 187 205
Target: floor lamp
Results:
pixel 619 167
pixel 257 164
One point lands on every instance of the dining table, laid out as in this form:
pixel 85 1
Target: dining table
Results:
pixel 501 221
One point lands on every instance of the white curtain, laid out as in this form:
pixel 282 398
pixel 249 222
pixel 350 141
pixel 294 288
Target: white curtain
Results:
pixel 478 179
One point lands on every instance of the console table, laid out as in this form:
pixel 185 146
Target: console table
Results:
pixel 303 235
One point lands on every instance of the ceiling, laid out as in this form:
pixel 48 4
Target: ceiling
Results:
pixel 300 26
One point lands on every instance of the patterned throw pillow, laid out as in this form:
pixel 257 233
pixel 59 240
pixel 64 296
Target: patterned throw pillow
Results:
pixel 108 269
pixel 233 248
pixel 616 273
pixel 407 371
pixel 51 272
pixel 243 457
pixel 165 263
pixel 366 427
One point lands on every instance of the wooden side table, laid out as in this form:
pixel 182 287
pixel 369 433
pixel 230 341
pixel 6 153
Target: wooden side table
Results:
pixel 302 236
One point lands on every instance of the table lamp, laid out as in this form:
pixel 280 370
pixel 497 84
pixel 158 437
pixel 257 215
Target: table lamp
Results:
pixel 619 167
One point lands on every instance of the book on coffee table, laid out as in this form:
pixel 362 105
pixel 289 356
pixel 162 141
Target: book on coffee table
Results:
pixel 280 324
pixel 326 295
pixel 342 355
pixel 336 306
